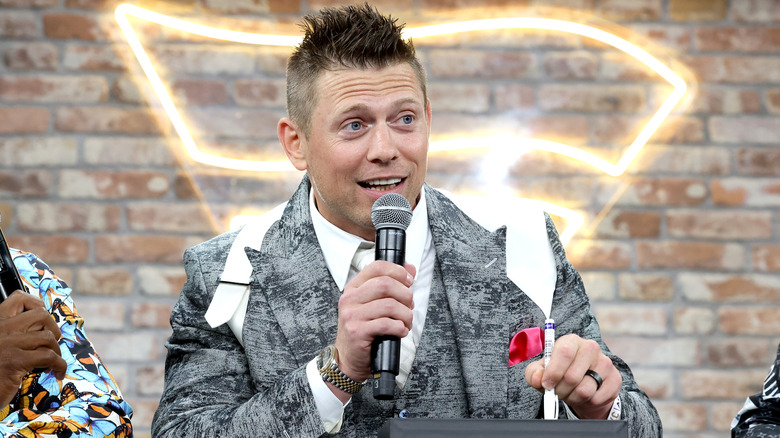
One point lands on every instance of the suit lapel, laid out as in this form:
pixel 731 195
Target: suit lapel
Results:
pixel 291 278
pixel 487 307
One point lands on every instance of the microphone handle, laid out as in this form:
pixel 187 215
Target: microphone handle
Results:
pixel 386 350
pixel 9 276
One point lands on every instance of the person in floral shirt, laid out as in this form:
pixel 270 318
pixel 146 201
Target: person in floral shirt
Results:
pixel 52 382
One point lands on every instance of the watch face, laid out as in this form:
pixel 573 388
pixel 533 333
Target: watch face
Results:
pixel 325 357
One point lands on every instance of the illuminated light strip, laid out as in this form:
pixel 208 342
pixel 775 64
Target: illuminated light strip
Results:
pixel 124 10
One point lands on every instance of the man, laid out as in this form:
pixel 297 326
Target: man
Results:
pixel 760 416
pixel 359 124
pixel 52 383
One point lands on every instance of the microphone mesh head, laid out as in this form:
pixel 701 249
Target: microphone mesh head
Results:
pixel 391 211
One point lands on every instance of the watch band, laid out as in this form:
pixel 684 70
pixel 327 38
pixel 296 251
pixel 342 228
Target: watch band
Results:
pixel 330 372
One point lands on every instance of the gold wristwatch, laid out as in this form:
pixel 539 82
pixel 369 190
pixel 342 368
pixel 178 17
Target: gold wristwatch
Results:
pixel 330 372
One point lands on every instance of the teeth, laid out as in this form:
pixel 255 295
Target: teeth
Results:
pixel 383 182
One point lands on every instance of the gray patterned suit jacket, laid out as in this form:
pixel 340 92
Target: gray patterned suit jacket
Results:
pixel 214 387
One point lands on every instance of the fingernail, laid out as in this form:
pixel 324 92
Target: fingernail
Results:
pixel 409 278
pixel 547 384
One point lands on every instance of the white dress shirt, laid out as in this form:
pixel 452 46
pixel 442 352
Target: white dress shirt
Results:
pixel 339 247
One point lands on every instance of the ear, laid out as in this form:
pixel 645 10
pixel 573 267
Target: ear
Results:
pixel 428 117
pixel 293 141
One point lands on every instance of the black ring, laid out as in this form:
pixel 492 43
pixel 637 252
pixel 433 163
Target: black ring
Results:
pixel 596 377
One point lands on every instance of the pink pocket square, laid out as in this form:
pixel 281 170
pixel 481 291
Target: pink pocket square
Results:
pixel 525 344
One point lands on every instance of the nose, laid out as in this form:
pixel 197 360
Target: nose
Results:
pixel 382 147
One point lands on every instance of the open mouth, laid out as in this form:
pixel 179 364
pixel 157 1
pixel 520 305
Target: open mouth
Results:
pixel 381 185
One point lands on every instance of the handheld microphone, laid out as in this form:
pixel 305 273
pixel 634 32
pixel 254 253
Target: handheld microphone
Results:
pixel 9 276
pixel 391 215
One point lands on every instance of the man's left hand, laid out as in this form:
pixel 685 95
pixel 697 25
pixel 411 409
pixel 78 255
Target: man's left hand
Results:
pixel 571 358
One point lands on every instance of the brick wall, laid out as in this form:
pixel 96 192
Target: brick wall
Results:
pixel 681 255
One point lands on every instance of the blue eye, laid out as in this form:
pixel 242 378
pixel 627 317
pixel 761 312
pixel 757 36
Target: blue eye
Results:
pixel 407 119
pixel 355 126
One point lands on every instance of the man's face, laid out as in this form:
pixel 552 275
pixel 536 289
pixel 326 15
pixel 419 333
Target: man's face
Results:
pixel 368 137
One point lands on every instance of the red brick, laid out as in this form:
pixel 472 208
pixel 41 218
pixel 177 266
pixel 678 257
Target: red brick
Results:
pixel 741 130
pixel 773 101
pixel 756 11
pixel 29 3
pixel 634 224
pixel 53 249
pixel 630 320
pixel 101 315
pixel 722 100
pixel 754 161
pixel 459 97
pixel 96 58
pixel 119 347
pixel 681 417
pixel 141 248
pixel 717 288
pixel 754 192
pixel 200 92
pixel 273 60
pixel 740 352
pixel 595 254
pixel 151 315
pixel 99 184
pixel 150 380
pixel 168 6
pixel 24 120
pixel 723 413
pixel 620 66
pixel 667 353
pixel 204 59
pixel 676 37
pixel 513 96
pixel 72 26
pixel 39 152
pixel 171 218
pixel 59 217
pixel 577 65
pixel 104 281
pixel 31 56
pixel 720 384
pixel 719 225
pixel 128 151
pixel 697 160
pixel 734 69
pixel 461 7
pixel 161 281
pixel 646 287
pixel 108 120
pixel 689 255
pixel 698 10
pixel 571 130
pixel 570 191
pixel 252 6
pixel 479 64
pixel 619 10
pixel 749 321
pixel 766 257
pixel 18 24
pixel 127 89
pixel 600 286
pixel 656 384
pixel 592 98
pixel 47 89
pixel 665 192
pixel 694 320
pixel 738 39
pixel 26 184
pixel 234 122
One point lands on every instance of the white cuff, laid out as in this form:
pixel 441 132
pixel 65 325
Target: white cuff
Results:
pixel 614 413
pixel 328 405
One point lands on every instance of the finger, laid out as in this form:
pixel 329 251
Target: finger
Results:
pixel 377 288
pixel 533 374
pixel 35 319
pixel 586 357
pixel 381 268
pixel 17 303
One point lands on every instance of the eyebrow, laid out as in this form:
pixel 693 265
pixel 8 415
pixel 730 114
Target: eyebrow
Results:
pixel 362 106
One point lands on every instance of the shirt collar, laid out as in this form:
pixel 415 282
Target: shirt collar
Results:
pixel 338 246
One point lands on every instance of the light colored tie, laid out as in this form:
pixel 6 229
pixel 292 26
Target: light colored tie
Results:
pixel 363 256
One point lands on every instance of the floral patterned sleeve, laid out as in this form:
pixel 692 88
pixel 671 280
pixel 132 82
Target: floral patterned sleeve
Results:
pixel 87 402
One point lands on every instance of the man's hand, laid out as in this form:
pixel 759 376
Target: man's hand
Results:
pixel 28 340
pixel 571 358
pixel 376 302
